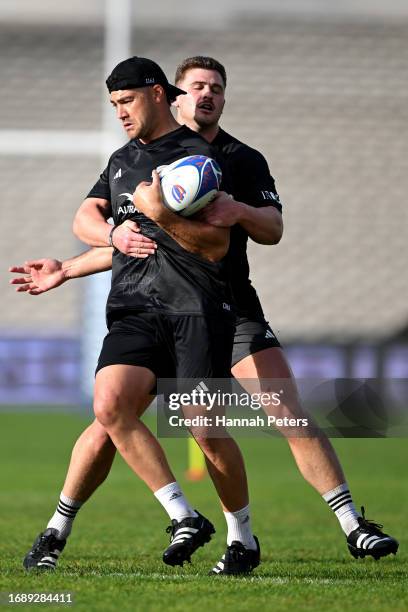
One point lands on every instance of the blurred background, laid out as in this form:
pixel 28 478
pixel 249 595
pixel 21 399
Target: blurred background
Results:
pixel 320 88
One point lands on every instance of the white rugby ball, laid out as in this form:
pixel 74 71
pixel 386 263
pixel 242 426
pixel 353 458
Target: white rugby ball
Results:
pixel 189 183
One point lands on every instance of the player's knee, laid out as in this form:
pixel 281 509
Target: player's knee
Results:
pixel 107 407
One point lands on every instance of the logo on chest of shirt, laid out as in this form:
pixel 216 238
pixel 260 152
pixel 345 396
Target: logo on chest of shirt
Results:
pixel 126 206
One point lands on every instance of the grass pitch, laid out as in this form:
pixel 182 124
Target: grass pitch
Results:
pixel 113 558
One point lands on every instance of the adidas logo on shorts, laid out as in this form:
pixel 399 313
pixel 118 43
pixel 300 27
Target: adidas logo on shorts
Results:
pixel 269 334
pixel 201 387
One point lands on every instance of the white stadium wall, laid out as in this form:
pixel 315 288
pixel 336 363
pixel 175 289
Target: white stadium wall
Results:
pixel 322 95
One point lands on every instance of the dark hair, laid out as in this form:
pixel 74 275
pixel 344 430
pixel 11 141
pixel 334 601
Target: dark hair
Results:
pixel 200 61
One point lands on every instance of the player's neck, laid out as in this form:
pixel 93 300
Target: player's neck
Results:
pixel 208 132
pixel 163 128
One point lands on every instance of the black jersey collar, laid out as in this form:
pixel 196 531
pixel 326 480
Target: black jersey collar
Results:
pixel 220 137
pixel 157 141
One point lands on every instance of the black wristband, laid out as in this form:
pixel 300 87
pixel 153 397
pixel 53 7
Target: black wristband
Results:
pixel 111 235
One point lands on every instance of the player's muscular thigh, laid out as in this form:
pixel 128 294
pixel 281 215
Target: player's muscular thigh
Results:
pixel 122 390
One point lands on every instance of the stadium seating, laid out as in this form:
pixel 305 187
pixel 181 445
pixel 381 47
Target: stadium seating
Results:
pixel 324 101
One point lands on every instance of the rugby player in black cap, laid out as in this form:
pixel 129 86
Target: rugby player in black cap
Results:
pixel 169 315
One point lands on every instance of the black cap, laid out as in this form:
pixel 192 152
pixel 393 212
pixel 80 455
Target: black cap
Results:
pixel 140 72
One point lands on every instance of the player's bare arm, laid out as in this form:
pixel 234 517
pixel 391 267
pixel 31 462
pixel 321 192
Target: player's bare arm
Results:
pixel 92 227
pixel 41 275
pixel 195 235
pixel 91 222
pixel 263 225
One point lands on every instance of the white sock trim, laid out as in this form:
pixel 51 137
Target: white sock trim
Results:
pixel 64 516
pixel 74 503
pixel 341 502
pixel 174 502
pixel 239 528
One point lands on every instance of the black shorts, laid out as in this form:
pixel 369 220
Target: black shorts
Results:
pixel 171 346
pixel 252 337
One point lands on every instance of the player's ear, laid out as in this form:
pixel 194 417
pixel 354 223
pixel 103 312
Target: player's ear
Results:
pixel 158 93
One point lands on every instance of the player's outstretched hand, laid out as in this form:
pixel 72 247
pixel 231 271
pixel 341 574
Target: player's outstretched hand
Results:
pixel 129 241
pixel 223 211
pixel 39 276
pixel 148 198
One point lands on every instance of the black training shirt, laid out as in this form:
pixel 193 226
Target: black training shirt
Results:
pixel 172 280
pixel 252 184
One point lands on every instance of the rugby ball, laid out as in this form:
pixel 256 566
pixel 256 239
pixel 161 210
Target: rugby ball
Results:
pixel 189 183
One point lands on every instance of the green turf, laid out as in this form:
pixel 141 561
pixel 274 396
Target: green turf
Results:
pixel 112 561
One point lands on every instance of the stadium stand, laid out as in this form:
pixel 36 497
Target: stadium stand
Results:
pixel 327 103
